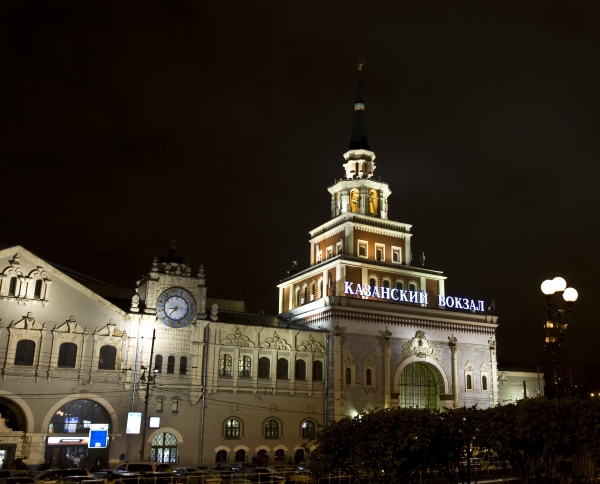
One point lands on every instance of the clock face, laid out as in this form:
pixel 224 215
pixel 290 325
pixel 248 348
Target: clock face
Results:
pixel 176 307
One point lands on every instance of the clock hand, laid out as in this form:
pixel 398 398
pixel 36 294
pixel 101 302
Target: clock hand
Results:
pixel 173 309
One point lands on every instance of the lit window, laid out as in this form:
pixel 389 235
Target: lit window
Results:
pixel 225 365
pixel 272 429
pixel 308 429
pixel 175 405
pixel 232 429
pixel 160 404
pixel 244 366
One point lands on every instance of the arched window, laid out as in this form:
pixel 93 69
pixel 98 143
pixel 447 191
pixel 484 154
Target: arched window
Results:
pixel 313 291
pixel 386 283
pixel 244 366
pixel 320 288
pixel 183 365
pixel 317 371
pixel 279 455
pixel 484 386
pixel 354 200
pixel 240 455
pixel 262 457
pixel 67 355
pixel 108 357
pixel 379 254
pixel 372 283
pixel 399 285
pixel 469 382
pixel 158 363
pixel 12 286
pixel 221 456
pixel 175 405
pixel 305 292
pixel 300 370
pixel 348 376
pixel 232 429
pixel 368 377
pixel 298 297
pixel 160 402
pixel 164 448
pixel 282 369
pixel 373 202
pixel 308 429
pixel 362 250
pixel 37 290
pixel 299 456
pixel 271 429
pixel 25 352
pixel 412 287
pixel 396 256
pixel 264 367
pixel 170 365
pixel 74 417
pixel 225 365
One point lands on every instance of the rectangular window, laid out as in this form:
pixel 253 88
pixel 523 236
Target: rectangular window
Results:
pixel 396 255
pixel 379 251
pixel 363 248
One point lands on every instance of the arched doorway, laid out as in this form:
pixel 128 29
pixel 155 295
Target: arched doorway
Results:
pixel 420 386
pixel 68 431
pixel 164 448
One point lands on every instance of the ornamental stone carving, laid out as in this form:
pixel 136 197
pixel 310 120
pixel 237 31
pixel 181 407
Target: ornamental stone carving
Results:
pixel 311 345
pixel 276 343
pixel 421 347
pixel 238 339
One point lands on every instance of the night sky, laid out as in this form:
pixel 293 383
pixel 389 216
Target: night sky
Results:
pixel 221 125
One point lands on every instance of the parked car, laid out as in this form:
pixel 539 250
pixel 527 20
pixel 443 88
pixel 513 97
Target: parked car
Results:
pixel 144 467
pixel 189 471
pixel 17 480
pixel 262 474
pixel 51 476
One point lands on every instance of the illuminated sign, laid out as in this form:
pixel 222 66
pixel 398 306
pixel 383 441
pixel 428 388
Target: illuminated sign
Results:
pixel 98 438
pixel 134 422
pixel 67 440
pixel 417 297
pixel 154 422
pixel 71 424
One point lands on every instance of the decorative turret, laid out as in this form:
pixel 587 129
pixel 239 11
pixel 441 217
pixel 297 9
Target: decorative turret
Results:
pixel 359 193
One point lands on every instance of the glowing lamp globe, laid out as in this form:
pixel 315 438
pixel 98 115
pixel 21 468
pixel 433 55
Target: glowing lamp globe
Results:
pixel 559 284
pixel 548 287
pixel 570 294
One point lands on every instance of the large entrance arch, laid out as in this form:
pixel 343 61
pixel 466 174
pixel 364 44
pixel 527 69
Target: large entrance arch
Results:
pixel 420 386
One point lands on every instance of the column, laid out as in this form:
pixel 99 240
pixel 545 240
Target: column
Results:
pixel 453 349
pixel 387 377
pixel 338 371
pixel 494 381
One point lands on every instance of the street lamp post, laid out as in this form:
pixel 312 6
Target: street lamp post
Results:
pixel 147 381
pixel 556 367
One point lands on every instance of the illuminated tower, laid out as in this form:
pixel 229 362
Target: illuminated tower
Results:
pixel 392 342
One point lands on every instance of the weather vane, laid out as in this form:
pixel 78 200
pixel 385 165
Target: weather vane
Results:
pixel 361 63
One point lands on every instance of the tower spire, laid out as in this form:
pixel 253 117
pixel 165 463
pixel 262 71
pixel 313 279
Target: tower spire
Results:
pixel 359 139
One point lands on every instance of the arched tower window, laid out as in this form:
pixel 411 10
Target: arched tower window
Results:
pixel 12 286
pixel 67 355
pixel 317 371
pixel 108 357
pixel 170 365
pixel 368 377
pixel 484 386
pixel 300 370
pixel 308 429
pixel 271 429
pixel 183 365
pixel 158 363
pixel 282 369
pixel 354 200
pixel 373 202
pixel 348 376
pixel 264 367
pixel 25 352
pixel 232 429
pixel 37 290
